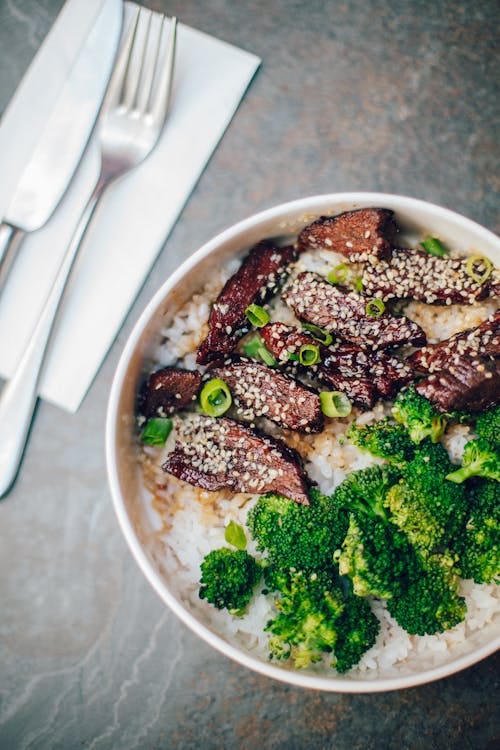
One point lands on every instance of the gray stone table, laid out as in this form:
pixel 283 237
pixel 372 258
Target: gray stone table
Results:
pixel 392 95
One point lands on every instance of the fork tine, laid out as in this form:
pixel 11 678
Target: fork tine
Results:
pixel 160 103
pixel 136 58
pixel 115 86
pixel 150 63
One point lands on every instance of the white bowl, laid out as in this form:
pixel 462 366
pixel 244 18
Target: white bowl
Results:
pixel 124 475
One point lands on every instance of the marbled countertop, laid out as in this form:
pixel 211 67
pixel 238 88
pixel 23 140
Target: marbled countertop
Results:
pixel 397 96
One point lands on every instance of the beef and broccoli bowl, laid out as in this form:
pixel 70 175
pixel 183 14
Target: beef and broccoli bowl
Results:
pixel 303 442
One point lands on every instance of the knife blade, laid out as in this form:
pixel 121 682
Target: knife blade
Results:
pixel 65 135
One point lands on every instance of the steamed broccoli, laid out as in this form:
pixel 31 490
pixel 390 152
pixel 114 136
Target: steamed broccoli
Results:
pixel 384 439
pixel 304 629
pixel 478 544
pixel 300 536
pixel 431 603
pixel 488 426
pixel 418 415
pixel 378 559
pixel 316 617
pixel 374 555
pixel 427 508
pixel 365 490
pixel 228 578
pixel 479 459
pixel 357 629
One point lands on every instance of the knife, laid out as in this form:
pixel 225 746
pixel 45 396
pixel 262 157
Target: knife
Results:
pixel 61 144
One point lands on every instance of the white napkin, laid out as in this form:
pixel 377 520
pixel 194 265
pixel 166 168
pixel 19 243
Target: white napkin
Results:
pixel 134 217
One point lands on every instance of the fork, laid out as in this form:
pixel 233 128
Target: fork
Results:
pixel 129 125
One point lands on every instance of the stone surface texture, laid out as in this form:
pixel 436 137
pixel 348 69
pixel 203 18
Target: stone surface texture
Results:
pixel 397 96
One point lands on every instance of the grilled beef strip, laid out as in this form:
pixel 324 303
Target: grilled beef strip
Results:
pixel 360 234
pixel 343 313
pixel 413 273
pixel 481 341
pixel 494 283
pixel 220 453
pixel 261 391
pixel 167 390
pixel 361 374
pixel 284 342
pixel 260 275
pixel 386 372
pixel 472 384
pixel 358 389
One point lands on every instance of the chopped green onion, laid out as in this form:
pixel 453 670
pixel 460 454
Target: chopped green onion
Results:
pixel 335 404
pixel 374 308
pixel 267 357
pixel 339 274
pixel 476 274
pixel 293 357
pixel 234 534
pixel 255 348
pixel 358 284
pixel 309 355
pixel 319 334
pixel 156 431
pixel 215 397
pixel 252 346
pixel 433 246
pixel 257 316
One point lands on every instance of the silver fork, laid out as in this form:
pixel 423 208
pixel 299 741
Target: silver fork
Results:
pixel 132 117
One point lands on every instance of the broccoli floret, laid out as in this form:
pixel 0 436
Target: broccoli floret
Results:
pixel 427 508
pixel 384 439
pixel 300 536
pixel 488 426
pixel 316 617
pixel 228 578
pixel 378 559
pixel 478 545
pixel 364 491
pixel 431 603
pixel 357 629
pixel 418 415
pixel 309 605
pixel 479 459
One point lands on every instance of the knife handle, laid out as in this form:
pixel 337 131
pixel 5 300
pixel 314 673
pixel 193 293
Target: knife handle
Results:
pixel 10 240
pixel 6 234
pixel 20 394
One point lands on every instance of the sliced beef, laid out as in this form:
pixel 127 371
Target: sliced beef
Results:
pixel 284 341
pixel 220 453
pixel 416 274
pixel 359 373
pixel 343 313
pixel 386 373
pixel 481 341
pixel 471 384
pixel 260 275
pixel 360 234
pixel 494 283
pixel 168 390
pixel 359 390
pixel 261 391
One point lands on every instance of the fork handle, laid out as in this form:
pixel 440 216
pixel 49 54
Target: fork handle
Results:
pixel 19 396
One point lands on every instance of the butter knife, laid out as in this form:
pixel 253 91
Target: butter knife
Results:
pixel 62 141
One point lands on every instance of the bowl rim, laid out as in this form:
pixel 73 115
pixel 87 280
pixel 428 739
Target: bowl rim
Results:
pixel 332 683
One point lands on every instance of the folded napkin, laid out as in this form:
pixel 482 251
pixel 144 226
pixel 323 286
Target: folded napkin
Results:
pixel 134 218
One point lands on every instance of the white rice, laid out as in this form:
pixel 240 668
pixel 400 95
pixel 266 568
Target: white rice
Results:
pixel 191 521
